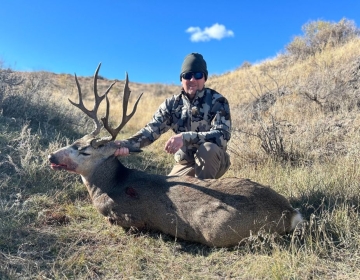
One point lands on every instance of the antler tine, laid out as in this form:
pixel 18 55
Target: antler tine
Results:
pixel 125 118
pixel 98 98
pixel 91 113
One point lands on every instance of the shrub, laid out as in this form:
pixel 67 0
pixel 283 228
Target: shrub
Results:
pixel 8 80
pixel 319 35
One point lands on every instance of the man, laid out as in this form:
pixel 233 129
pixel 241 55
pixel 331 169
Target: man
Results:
pixel 199 116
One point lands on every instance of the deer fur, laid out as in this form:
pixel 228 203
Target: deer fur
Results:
pixel 214 212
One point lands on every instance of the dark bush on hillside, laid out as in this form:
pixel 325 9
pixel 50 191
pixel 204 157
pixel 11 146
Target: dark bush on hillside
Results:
pixel 245 65
pixel 30 100
pixel 8 80
pixel 43 113
pixel 319 35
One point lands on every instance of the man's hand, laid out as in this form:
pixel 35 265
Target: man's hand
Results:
pixel 174 144
pixel 121 151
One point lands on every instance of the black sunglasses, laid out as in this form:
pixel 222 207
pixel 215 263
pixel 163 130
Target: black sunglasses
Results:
pixel 189 75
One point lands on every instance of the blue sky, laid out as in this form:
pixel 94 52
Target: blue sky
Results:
pixel 149 39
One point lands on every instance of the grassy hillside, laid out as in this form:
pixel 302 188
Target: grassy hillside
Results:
pixel 295 128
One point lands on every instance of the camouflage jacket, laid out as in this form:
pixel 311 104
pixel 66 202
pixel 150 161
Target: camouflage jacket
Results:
pixel 205 119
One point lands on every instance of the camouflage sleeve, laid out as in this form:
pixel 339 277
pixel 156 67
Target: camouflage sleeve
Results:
pixel 220 131
pixel 159 124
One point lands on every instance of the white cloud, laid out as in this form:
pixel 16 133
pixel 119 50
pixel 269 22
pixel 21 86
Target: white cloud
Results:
pixel 217 31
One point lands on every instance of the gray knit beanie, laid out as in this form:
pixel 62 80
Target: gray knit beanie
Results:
pixel 194 62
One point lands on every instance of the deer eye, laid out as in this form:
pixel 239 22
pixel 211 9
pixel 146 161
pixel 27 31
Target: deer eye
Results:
pixel 83 153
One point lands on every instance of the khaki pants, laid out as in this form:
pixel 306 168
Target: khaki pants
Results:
pixel 211 162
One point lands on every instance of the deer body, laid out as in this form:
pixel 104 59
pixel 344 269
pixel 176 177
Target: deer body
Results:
pixel 214 212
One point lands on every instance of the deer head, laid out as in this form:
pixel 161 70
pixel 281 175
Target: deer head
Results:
pixel 83 156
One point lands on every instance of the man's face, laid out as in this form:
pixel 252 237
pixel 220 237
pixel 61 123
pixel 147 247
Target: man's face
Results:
pixel 192 85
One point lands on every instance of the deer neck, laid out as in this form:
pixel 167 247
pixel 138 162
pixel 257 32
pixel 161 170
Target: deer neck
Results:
pixel 106 177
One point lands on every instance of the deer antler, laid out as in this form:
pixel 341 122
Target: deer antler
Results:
pixel 92 113
pixel 125 118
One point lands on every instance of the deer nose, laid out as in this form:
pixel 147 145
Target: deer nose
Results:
pixel 51 158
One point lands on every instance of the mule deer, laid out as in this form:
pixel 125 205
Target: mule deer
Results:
pixel 215 212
